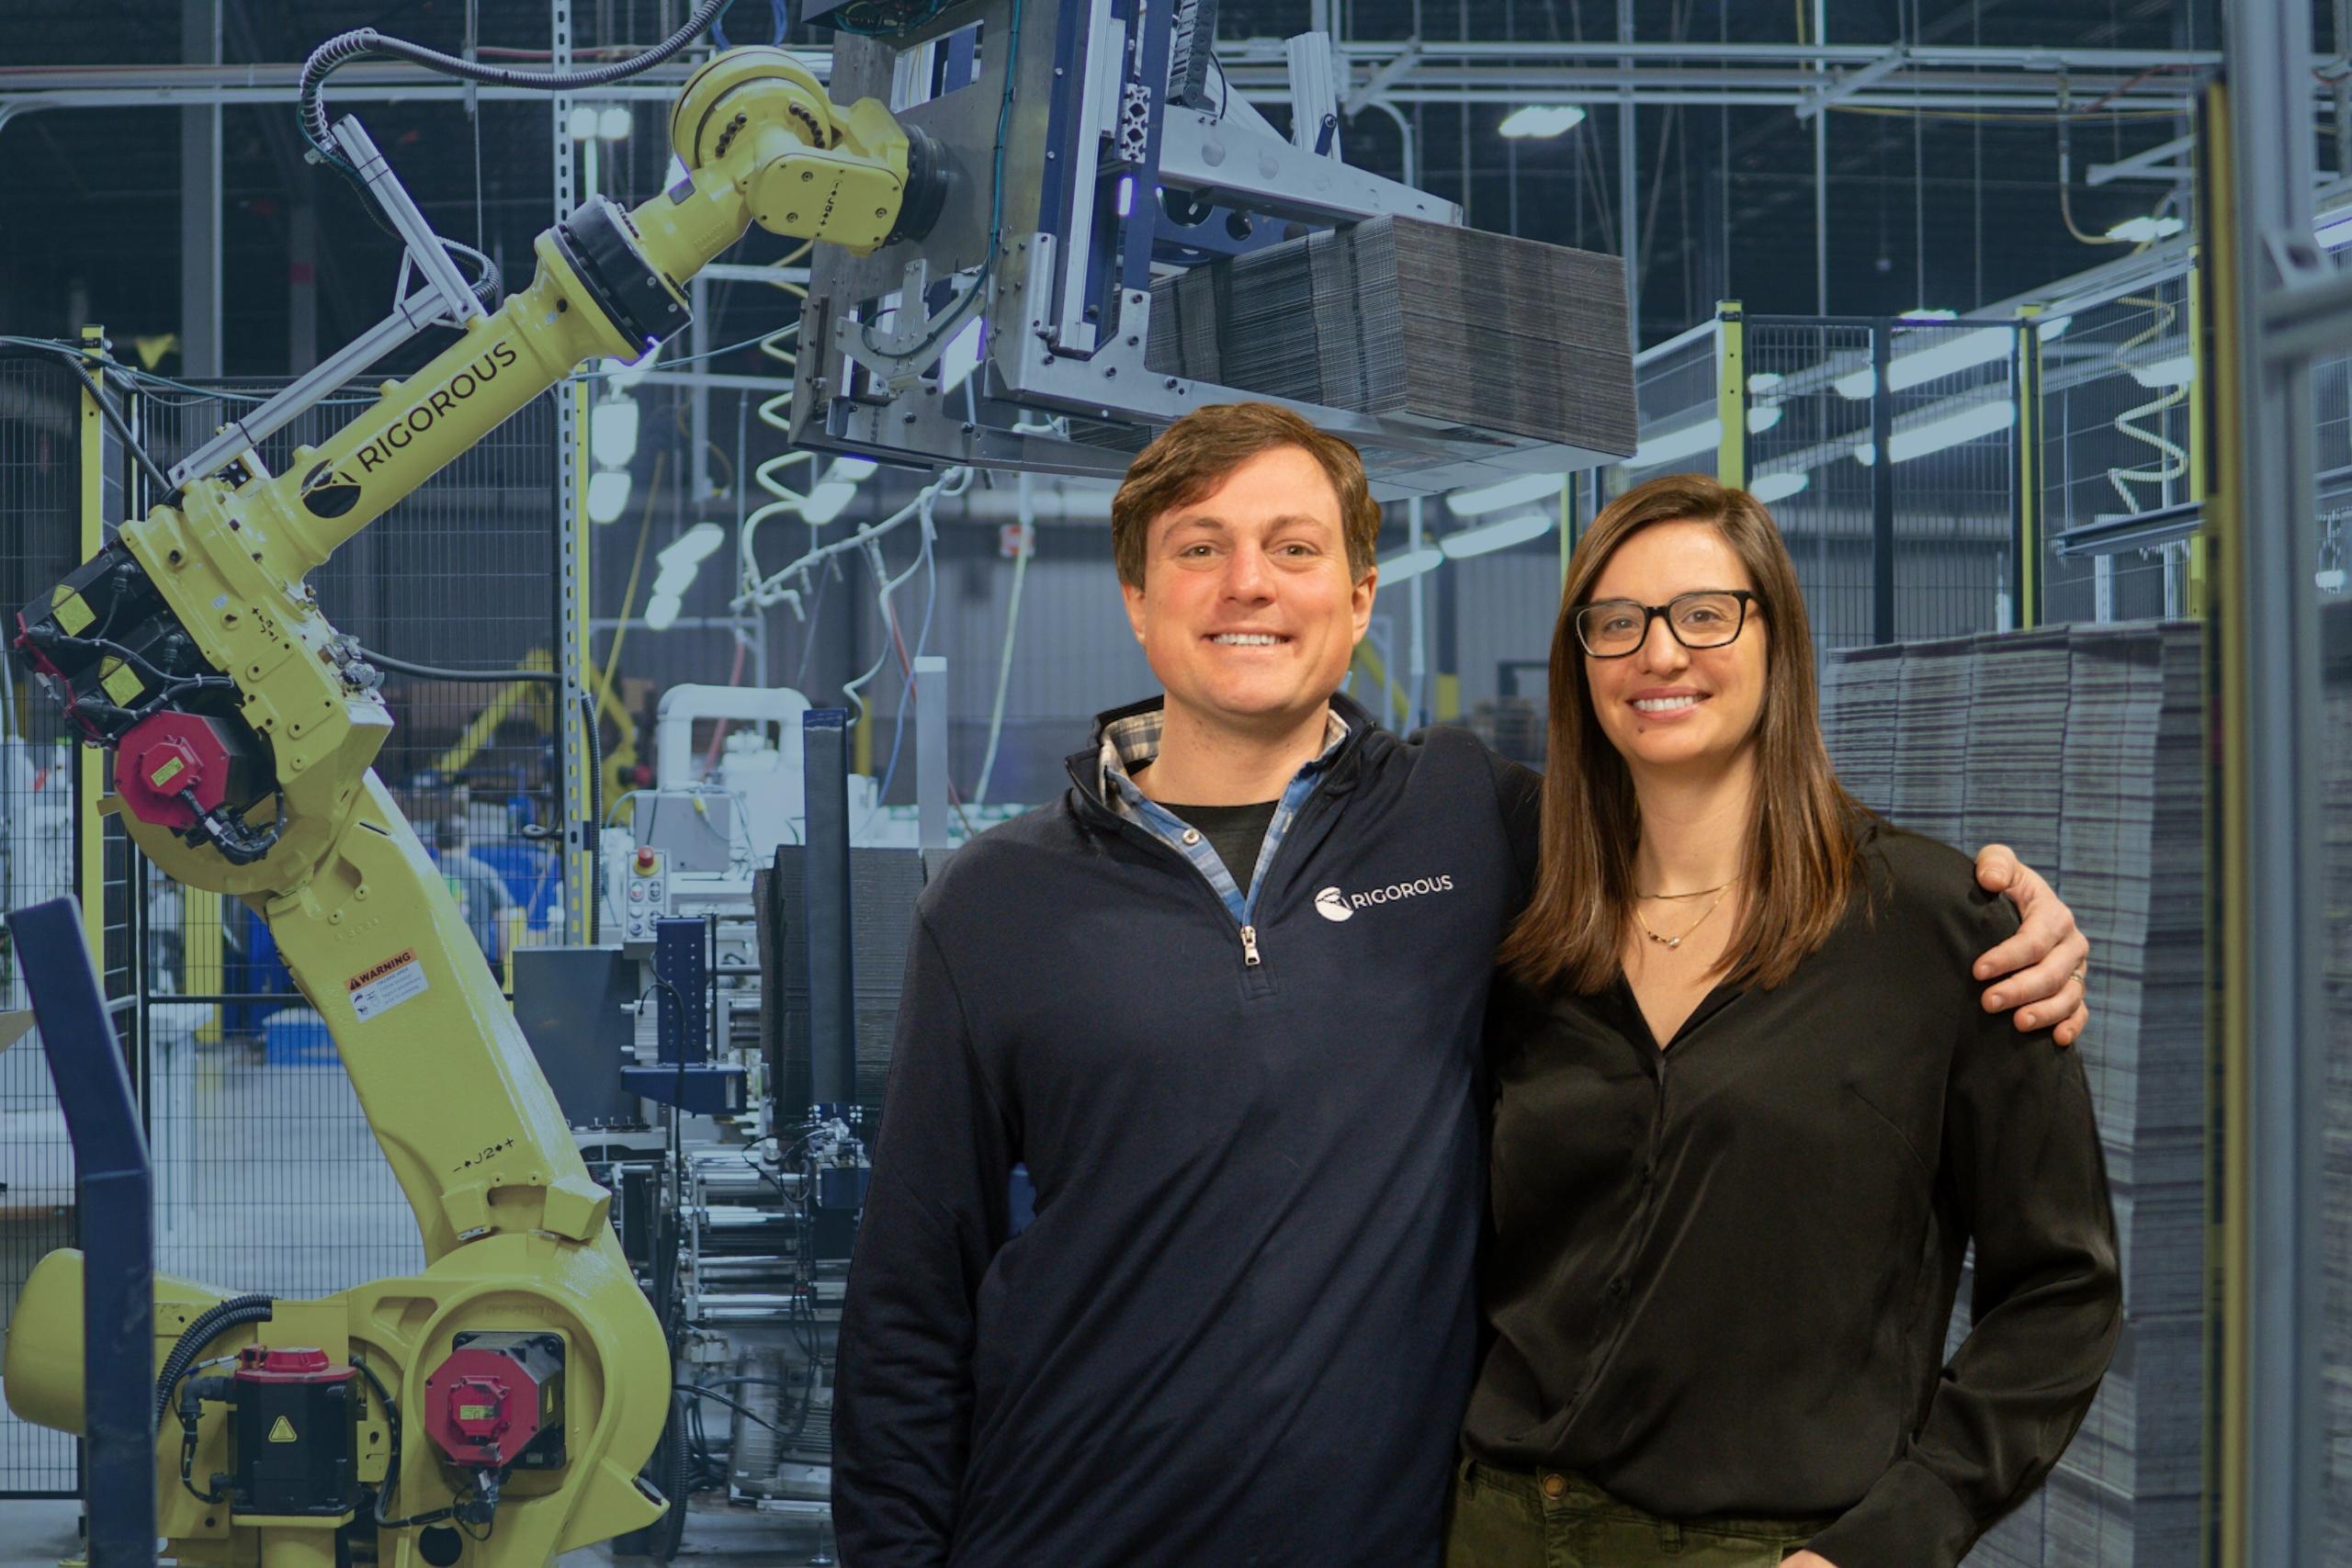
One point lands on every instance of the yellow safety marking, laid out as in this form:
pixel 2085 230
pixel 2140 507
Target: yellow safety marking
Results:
pixel 281 1431
pixel 122 681
pixel 168 772
pixel 72 614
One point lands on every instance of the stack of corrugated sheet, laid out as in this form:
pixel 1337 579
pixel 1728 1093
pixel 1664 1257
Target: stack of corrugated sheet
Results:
pixel 884 885
pixel 2336 829
pixel 2080 747
pixel 1395 316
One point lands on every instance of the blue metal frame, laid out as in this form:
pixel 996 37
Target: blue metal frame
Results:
pixel 115 1198
pixel 686 1076
pixel 833 1018
pixel 1137 230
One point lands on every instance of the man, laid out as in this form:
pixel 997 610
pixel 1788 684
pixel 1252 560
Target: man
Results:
pixel 480 892
pixel 1224 1000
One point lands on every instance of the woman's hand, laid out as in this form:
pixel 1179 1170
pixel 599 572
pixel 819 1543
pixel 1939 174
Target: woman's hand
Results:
pixel 1807 1559
pixel 2041 971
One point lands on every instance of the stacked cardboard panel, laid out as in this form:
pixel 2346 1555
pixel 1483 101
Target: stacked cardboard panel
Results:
pixel 1425 321
pixel 2080 747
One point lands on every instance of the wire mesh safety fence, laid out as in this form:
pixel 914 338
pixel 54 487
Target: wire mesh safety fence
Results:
pixel 1803 434
pixel 267 1175
pixel 41 486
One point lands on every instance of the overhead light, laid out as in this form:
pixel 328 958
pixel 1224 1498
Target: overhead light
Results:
pixel 1539 121
pixel 2177 371
pixel 1498 535
pixel 612 432
pixel 849 470
pixel 2055 326
pixel 1409 564
pixel 581 123
pixel 694 545
pixel 1779 486
pixel 2333 228
pixel 613 122
pixel 1765 381
pixel 661 611
pixel 2141 230
pixel 1953 353
pixel 826 501
pixel 1763 417
pixel 1938 433
pixel 675 577
pixel 1510 493
pixel 1691 440
pixel 607 493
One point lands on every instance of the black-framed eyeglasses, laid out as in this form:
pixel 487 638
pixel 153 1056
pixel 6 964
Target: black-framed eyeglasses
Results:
pixel 1710 617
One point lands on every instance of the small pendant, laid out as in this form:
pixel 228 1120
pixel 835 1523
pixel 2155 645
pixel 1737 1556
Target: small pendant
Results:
pixel 1674 942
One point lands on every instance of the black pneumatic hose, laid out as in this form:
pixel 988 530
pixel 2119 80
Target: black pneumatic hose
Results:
pixel 677 1483
pixel 60 354
pixel 209 1325
pixel 345 48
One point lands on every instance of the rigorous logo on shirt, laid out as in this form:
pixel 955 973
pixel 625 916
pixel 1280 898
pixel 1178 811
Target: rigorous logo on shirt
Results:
pixel 1333 904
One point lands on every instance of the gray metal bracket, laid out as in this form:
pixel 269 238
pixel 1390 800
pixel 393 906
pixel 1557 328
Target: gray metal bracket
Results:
pixel 444 298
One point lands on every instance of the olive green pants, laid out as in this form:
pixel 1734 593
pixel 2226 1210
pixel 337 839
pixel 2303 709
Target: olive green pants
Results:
pixel 1540 1519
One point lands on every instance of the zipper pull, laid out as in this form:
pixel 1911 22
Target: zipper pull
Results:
pixel 1250 947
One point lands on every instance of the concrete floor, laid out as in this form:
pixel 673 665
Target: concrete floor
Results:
pixel 40 1535
pixel 267 1179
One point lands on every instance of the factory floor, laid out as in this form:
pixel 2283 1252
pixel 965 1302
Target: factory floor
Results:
pixel 266 1178
pixel 40 1535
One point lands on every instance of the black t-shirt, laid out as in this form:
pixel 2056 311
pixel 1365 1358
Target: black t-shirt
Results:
pixel 1236 832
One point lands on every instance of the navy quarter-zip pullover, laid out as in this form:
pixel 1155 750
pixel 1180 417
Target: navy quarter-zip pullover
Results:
pixel 1242 1328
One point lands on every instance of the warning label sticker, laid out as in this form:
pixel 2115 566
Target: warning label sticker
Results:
pixel 378 989
pixel 282 1431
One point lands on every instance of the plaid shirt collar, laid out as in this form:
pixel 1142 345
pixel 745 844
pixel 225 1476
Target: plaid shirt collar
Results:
pixel 1131 743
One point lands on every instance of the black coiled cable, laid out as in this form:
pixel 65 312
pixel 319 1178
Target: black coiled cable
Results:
pixel 210 1326
pixel 345 48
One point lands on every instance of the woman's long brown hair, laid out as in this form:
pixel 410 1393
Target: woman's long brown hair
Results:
pixel 1798 872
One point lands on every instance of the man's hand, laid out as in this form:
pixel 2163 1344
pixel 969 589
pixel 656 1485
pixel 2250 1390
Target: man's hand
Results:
pixel 1813 1559
pixel 2039 972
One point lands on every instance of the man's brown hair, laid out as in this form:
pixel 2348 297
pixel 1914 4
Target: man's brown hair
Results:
pixel 1193 456
pixel 1799 868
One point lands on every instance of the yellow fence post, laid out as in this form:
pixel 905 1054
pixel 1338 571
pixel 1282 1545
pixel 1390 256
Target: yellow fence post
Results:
pixel 1731 394
pixel 89 766
pixel 2026 581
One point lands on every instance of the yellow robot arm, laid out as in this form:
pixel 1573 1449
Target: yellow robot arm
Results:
pixel 523 1365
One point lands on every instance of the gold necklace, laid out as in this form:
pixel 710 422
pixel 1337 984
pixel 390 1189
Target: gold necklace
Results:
pixel 1702 893
pixel 1674 941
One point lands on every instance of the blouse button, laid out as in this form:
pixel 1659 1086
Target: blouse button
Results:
pixel 1556 1487
pixel 1192 835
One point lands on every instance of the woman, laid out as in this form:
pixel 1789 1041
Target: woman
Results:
pixel 1749 1116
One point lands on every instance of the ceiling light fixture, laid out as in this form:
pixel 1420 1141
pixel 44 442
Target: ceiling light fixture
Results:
pixel 1938 433
pixel 1541 121
pixel 1497 535
pixel 1410 564
pixel 1508 493
pixel 1688 442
